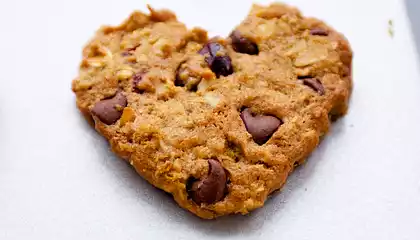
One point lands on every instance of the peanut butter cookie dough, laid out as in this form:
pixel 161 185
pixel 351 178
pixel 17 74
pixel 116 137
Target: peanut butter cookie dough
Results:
pixel 218 123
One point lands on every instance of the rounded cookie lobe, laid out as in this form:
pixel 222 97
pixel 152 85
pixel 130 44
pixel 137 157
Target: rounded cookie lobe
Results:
pixel 211 188
pixel 110 110
pixel 261 127
pixel 243 45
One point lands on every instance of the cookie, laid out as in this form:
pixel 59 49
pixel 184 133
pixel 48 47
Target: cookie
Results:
pixel 218 123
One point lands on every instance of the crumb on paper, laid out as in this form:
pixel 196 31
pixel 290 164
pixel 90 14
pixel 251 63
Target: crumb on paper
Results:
pixel 390 28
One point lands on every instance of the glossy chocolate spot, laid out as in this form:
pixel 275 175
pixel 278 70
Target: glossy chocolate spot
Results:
pixel 110 110
pixel 261 127
pixel 211 188
pixel 243 45
pixel 318 32
pixel 211 48
pixel 220 64
pixel 315 84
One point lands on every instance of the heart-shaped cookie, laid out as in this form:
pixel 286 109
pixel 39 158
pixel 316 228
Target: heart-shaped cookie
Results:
pixel 217 123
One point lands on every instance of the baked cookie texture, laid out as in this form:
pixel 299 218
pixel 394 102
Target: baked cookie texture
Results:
pixel 218 123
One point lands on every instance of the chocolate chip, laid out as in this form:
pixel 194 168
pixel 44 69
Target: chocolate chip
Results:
pixel 136 80
pixel 129 51
pixel 210 48
pixel 318 32
pixel 315 84
pixel 243 45
pixel 211 188
pixel 110 110
pixel 261 127
pixel 133 48
pixel 220 64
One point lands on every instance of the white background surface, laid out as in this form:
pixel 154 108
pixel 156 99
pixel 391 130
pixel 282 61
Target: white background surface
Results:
pixel 58 180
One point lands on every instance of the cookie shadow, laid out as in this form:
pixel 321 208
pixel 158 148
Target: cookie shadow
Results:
pixel 412 8
pixel 126 178
pixel 124 174
pixel 164 207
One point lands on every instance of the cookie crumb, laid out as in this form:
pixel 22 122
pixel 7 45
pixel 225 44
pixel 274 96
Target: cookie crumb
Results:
pixel 391 28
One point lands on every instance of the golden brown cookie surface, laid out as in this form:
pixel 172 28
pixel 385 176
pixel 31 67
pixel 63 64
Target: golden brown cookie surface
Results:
pixel 217 123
